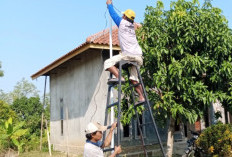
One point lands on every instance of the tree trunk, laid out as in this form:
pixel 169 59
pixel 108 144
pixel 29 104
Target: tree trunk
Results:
pixel 41 132
pixel 170 139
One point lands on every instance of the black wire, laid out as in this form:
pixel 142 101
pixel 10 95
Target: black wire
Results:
pixel 105 19
pixel 102 60
pixel 117 9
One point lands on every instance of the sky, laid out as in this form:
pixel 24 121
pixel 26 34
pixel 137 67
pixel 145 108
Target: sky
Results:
pixel 34 33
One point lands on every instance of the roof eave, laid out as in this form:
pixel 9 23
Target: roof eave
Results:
pixel 71 54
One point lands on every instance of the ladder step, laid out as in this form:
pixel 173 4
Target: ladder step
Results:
pixel 111 105
pixel 145 124
pixel 139 103
pixel 114 81
pixel 107 150
pixel 150 144
pixel 134 85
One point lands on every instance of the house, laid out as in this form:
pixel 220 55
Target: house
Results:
pixel 77 83
pixel 78 89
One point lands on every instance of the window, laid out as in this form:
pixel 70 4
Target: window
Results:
pixel 62 116
pixel 142 122
pixel 126 128
pixel 177 126
pixel 126 131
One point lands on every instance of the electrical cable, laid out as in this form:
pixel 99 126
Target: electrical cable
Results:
pixel 97 90
pixel 99 71
pixel 117 9
pixel 102 61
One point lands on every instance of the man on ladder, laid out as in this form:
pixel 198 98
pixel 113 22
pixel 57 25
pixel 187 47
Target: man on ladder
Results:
pixel 131 54
pixel 130 48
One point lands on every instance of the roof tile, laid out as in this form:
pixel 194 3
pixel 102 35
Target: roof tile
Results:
pixel 103 37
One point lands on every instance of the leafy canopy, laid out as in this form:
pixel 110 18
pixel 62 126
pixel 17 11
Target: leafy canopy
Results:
pixel 6 112
pixel 187 58
pixel 29 110
pixel 1 72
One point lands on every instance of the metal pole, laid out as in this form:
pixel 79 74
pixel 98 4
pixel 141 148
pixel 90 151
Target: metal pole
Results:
pixel 42 116
pixel 111 91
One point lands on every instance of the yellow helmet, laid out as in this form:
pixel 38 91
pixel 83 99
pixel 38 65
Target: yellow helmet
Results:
pixel 130 14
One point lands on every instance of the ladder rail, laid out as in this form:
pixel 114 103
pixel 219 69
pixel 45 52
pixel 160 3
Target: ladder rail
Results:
pixel 146 104
pixel 150 111
pixel 137 116
pixel 106 111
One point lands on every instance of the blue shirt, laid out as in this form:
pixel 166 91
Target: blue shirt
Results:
pixel 98 143
pixel 126 34
pixel 117 19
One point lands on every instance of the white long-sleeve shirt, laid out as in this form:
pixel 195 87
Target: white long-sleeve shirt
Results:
pixel 126 34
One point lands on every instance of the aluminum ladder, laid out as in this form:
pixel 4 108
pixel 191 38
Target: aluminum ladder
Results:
pixel 124 65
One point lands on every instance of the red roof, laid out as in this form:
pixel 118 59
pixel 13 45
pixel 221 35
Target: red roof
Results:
pixel 100 40
pixel 103 37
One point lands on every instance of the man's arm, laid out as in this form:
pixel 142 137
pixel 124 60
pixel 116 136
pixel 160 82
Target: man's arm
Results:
pixel 117 149
pixel 109 136
pixel 117 19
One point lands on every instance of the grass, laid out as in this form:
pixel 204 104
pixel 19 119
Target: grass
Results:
pixel 45 154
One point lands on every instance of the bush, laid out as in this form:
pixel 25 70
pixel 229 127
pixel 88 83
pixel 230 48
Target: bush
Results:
pixel 216 140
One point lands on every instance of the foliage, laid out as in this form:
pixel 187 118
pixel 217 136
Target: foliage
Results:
pixel 1 72
pixel 216 140
pixel 29 110
pixel 26 112
pixel 5 112
pixel 127 110
pixel 11 135
pixel 187 59
pixel 24 88
pixel 33 143
pixel 5 97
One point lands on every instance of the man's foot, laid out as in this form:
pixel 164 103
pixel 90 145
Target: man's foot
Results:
pixel 115 81
pixel 141 99
pixel 140 102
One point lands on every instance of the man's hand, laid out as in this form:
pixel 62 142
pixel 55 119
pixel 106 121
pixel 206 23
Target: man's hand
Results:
pixel 109 2
pixel 117 149
pixel 113 126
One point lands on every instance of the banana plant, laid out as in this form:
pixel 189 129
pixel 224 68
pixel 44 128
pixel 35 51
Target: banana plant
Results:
pixel 11 135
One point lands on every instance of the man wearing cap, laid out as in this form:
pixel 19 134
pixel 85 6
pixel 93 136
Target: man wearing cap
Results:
pixel 94 145
pixel 130 49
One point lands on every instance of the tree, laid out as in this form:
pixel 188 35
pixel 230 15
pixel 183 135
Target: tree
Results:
pixel 29 110
pixel 1 72
pixel 5 112
pixel 187 60
pixel 5 97
pixel 24 88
